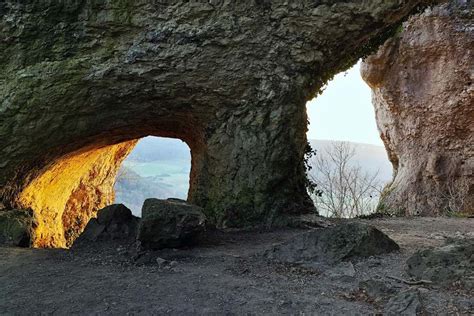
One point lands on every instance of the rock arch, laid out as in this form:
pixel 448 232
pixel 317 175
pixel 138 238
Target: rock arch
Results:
pixel 81 80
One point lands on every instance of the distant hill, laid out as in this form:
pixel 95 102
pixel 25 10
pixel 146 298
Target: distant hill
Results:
pixel 159 149
pixel 159 168
pixel 132 189
pixel 371 158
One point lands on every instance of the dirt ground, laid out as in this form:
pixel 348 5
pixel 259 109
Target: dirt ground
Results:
pixel 228 274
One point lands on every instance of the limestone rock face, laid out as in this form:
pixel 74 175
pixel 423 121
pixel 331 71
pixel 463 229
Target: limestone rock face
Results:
pixel 80 80
pixel 424 101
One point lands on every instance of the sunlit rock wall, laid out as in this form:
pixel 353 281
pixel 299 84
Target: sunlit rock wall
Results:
pixel 423 94
pixel 71 191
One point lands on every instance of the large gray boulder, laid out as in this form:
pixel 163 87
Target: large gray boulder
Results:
pixel 444 265
pixel 333 245
pixel 170 223
pixel 112 222
pixel 17 227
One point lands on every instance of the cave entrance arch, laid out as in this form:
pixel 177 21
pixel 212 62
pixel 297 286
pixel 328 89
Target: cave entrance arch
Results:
pixel 81 81
pixel 157 167
pixel 71 189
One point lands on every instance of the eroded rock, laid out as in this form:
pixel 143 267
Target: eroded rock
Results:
pixel 445 265
pixel 112 222
pixel 230 78
pixel 333 245
pixel 423 98
pixel 170 223
pixel 407 303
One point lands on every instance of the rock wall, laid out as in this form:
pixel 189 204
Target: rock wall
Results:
pixel 424 101
pixel 71 191
pixel 230 78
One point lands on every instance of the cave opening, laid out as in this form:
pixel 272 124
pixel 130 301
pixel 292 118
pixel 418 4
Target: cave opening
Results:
pixel 70 190
pixel 157 167
pixel 350 167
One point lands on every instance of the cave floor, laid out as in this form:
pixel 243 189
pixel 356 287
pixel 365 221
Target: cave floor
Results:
pixel 226 275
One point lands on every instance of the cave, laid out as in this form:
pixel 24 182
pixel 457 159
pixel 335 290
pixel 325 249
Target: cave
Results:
pixel 71 191
pixel 83 81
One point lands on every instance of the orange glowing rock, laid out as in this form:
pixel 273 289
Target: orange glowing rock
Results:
pixel 71 191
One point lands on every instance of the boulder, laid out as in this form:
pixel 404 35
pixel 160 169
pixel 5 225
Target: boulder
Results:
pixel 112 222
pixel 170 223
pixel 446 264
pixel 17 227
pixel 333 245
pixel 404 303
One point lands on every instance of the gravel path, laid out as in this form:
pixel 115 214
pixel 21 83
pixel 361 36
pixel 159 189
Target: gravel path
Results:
pixel 226 275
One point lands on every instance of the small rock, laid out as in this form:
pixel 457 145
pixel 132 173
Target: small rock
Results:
pixel 173 264
pixel 170 224
pixel 376 289
pixel 161 262
pixel 404 303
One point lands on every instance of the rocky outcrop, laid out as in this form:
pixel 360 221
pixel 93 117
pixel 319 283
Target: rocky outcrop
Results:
pixel 170 223
pixel 229 78
pixel 330 246
pixel 453 262
pixel 423 97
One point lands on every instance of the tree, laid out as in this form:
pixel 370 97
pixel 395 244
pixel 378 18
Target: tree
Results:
pixel 346 190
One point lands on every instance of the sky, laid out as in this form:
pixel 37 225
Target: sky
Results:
pixel 344 111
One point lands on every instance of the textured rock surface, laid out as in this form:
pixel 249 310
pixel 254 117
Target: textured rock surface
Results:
pixel 112 222
pixel 333 245
pixel 170 223
pixel 17 227
pixel 407 303
pixel 71 191
pixel 424 101
pixel 445 265
pixel 229 78
pixel 376 289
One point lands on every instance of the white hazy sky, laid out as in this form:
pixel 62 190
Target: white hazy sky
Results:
pixel 344 111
